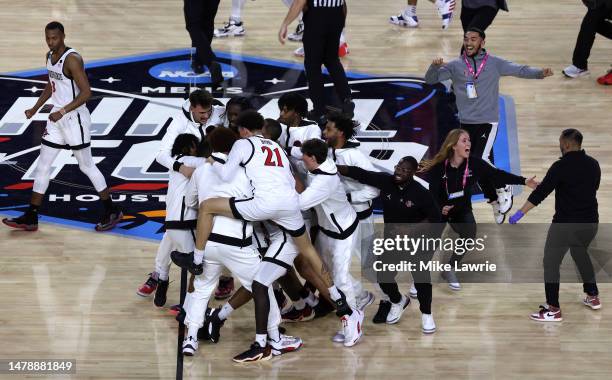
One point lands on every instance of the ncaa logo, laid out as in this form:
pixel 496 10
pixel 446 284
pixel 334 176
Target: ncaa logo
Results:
pixel 181 72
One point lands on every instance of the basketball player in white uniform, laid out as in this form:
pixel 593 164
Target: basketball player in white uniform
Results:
pixel 229 245
pixel 338 226
pixel 67 128
pixel 338 134
pixel 274 198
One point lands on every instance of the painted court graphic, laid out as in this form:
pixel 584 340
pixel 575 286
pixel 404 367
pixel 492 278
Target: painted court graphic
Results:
pixel 135 98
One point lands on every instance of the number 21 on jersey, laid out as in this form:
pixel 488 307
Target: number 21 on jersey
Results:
pixel 270 160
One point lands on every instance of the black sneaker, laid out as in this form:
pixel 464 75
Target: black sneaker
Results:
pixel 160 293
pixel 180 317
pixel 27 222
pixel 254 354
pixel 185 261
pixel 197 68
pixel 323 308
pixel 214 324
pixel 203 331
pixel 109 220
pixel 216 74
pixel 383 310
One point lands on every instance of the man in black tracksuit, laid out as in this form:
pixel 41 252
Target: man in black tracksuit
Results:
pixel 405 201
pixel 575 178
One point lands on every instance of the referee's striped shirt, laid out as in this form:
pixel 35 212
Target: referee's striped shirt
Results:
pixel 326 3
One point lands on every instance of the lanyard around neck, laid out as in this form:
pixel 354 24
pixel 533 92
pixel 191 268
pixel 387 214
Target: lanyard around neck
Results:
pixel 466 172
pixel 476 74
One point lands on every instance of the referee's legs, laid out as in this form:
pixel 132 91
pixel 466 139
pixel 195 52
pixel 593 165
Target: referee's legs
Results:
pixel 314 51
pixel 335 69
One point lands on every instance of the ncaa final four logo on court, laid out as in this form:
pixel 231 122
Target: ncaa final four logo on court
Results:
pixel 134 99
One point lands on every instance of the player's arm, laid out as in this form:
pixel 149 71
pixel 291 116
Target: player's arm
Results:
pixel 241 151
pixel 312 132
pixel 164 156
pixel 42 99
pixel 76 70
pixel 316 193
pixel 191 193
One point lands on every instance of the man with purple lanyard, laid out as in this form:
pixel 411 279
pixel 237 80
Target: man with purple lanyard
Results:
pixel 475 76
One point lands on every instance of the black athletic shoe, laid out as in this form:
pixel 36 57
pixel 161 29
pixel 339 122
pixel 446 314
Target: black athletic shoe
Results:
pixel 180 317
pixel 214 324
pixel 203 331
pixel 255 353
pixel 383 310
pixel 197 68
pixel 110 219
pixel 323 308
pixel 27 222
pixel 216 75
pixel 185 261
pixel 160 293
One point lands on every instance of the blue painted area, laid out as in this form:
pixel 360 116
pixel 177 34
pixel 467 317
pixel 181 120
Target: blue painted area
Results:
pixel 400 98
pixel 3 195
pixel 410 85
pixel 416 105
pixel 83 209
pixel 13 207
pixel 181 72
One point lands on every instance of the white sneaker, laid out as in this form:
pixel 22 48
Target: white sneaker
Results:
pixel 574 72
pixel 286 344
pixel 365 300
pixel 445 11
pixel 413 292
pixel 497 214
pixel 428 324
pixel 451 278
pixel 298 34
pixel 338 337
pixel 353 328
pixel 505 199
pixel 397 309
pixel 232 28
pixel 190 346
pixel 406 21
pixel 299 52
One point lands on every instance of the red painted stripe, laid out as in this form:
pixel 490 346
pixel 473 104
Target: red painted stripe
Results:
pixel 140 186
pixel 20 186
pixel 4 139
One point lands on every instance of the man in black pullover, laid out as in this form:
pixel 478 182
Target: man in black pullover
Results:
pixel 405 201
pixel 575 179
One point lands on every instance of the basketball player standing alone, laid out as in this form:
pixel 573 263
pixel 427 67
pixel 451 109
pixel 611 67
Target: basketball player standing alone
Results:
pixel 67 128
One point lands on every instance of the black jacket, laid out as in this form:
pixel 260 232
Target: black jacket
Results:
pixel 440 176
pixel 575 179
pixel 411 203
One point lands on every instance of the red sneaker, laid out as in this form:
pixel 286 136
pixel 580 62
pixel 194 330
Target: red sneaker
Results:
pixel 343 50
pixel 605 80
pixel 547 314
pixel 148 287
pixel 225 288
pixel 592 302
pixel 294 315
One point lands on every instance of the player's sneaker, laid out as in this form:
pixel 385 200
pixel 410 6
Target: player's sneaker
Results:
pixel 445 11
pixel 254 353
pixel 592 302
pixel 148 287
pixel 505 198
pixel 298 34
pixel 605 80
pixel 190 346
pixel 572 71
pixel 397 309
pixel 299 52
pixel 286 344
pixel 160 293
pixel 185 261
pixel 498 216
pixel 323 308
pixel 233 28
pixel 213 325
pixel 295 315
pixel 413 292
pixel 365 300
pixel 225 288
pixel 402 20
pixel 109 220
pixel 343 50
pixel 353 328
pixel 338 337
pixel 27 221
pixel 383 310
pixel 547 314
pixel 451 277
pixel 428 324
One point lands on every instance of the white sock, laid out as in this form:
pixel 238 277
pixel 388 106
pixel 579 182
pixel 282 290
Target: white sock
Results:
pixel 225 312
pixel 342 38
pixel 193 331
pixel 334 293
pixel 198 256
pixel 311 300
pixel 274 335
pixel 163 276
pixel 299 305
pixel 261 339
pixel 237 6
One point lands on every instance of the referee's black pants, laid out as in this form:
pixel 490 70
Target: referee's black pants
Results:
pixel 575 237
pixel 479 18
pixel 482 137
pixel 200 23
pixel 594 22
pixel 322 29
